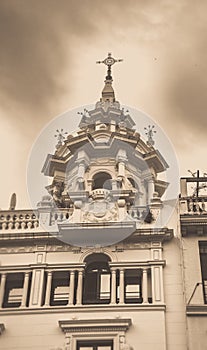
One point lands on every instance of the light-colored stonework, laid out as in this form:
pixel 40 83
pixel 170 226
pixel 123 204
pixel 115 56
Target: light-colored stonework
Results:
pixel 132 293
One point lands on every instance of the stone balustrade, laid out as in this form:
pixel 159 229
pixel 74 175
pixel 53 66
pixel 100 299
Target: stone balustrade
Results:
pixel 29 219
pixel 60 215
pixel 18 220
pixel 193 205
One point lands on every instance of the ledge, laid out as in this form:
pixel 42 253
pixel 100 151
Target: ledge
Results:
pixel 150 234
pixel 84 309
pixel 196 310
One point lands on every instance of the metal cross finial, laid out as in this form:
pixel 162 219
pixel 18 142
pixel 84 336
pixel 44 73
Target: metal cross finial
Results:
pixel 109 61
pixel 60 137
pixel 150 133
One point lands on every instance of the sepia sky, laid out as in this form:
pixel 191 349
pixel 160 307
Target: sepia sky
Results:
pixel 48 54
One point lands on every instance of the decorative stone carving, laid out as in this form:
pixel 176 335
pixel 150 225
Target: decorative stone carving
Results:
pixel 123 344
pixel 101 211
pixel 8 250
pixel 57 193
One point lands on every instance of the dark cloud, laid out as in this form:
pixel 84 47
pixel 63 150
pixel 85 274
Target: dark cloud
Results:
pixel 186 83
pixel 188 95
pixel 34 37
pixel 38 38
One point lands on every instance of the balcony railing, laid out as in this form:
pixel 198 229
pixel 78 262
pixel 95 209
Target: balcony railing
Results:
pixel 18 220
pixel 194 205
pixel 29 219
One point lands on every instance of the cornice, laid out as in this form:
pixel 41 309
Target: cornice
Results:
pixel 189 219
pixel 193 225
pixel 95 325
pixel 45 266
pixel 85 309
pixel 150 234
pixel 134 264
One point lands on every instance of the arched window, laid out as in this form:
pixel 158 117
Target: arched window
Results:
pixel 102 180
pixel 97 279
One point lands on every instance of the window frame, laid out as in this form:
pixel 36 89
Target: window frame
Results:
pixel 93 343
pixel 95 330
pixel 202 252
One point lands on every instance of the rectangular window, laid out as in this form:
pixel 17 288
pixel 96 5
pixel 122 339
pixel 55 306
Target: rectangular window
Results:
pixel 203 259
pixel 13 290
pixel 133 286
pixel 60 288
pixel 95 345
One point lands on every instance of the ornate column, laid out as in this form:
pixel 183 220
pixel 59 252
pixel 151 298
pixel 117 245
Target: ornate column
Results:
pixel 82 162
pixel 151 189
pixel 25 289
pixel 121 287
pixel 2 288
pixel 121 159
pixel 48 289
pixel 144 286
pixel 114 185
pixel 80 287
pixel 71 287
pixel 81 171
pixel 113 286
pixel 121 169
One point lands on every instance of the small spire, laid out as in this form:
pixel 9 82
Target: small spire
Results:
pixel 108 91
pixel 149 131
pixel 60 137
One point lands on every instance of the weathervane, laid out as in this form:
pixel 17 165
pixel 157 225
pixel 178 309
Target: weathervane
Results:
pixel 60 137
pixel 109 61
pixel 150 133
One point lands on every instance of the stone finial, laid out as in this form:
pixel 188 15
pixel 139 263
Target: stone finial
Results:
pixel 60 137
pixel 149 131
pixel 13 201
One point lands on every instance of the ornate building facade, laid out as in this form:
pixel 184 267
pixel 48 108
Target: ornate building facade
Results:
pixel 90 268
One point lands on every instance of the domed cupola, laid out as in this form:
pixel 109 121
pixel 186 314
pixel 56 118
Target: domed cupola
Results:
pixel 106 175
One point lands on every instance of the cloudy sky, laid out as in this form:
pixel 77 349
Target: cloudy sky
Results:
pixel 47 65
